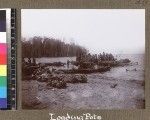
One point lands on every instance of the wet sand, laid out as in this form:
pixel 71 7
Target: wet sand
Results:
pixel 98 93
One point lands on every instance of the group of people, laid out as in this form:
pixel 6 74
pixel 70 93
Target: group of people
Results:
pixel 29 61
pixel 95 58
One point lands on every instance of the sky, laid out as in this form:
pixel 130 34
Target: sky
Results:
pixel 117 31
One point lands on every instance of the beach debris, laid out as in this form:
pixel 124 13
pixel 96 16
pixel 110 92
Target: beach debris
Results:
pixel 56 82
pixel 76 78
pixel 131 70
pixel 58 72
pixel 60 81
pixel 113 86
pixel 43 77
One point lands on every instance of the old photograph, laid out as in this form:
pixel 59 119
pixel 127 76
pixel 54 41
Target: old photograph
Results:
pixel 83 58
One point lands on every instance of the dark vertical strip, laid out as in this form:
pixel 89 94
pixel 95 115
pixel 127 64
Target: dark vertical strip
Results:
pixel 2 20
pixel 11 84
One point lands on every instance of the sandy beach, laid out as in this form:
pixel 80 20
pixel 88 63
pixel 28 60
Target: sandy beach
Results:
pixel 98 93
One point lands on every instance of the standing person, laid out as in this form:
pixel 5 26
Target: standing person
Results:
pixel 68 63
pixel 34 61
pixel 29 60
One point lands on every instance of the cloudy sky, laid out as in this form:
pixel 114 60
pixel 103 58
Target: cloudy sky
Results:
pixel 117 31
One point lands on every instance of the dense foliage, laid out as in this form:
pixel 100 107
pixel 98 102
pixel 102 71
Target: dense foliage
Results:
pixel 49 47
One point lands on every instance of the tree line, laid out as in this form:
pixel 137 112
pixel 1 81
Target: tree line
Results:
pixel 37 47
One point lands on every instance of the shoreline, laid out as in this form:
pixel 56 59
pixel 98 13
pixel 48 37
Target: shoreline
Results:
pixel 96 94
pixel 114 89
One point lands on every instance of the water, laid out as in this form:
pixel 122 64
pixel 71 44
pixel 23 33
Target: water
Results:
pixel 97 93
pixel 55 59
pixel 115 73
pixel 121 73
